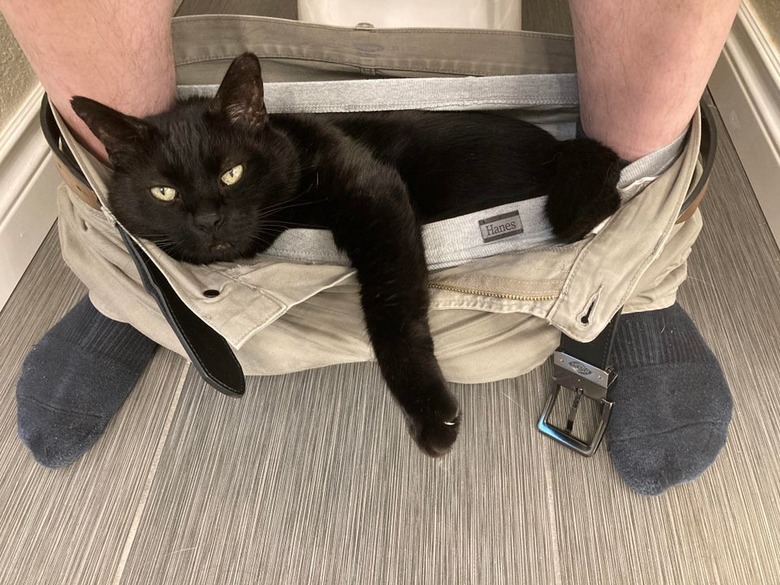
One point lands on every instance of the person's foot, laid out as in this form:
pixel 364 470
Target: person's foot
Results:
pixel 74 380
pixel 672 404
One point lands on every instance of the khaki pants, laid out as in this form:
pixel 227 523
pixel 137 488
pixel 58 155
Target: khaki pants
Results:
pixel 492 317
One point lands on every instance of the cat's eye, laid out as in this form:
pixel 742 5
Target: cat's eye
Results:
pixel 232 176
pixel 163 193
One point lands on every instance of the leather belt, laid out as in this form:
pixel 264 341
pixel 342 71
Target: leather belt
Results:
pixel 209 352
pixel 585 370
pixel 66 164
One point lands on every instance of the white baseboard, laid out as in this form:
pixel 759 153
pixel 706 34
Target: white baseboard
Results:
pixel 746 89
pixel 27 197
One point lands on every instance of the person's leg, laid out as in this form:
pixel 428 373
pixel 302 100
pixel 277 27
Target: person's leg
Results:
pixel 672 404
pixel 74 380
pixel 642 69
pixel 120 53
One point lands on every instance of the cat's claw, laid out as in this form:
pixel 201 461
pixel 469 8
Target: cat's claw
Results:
pixel 435 437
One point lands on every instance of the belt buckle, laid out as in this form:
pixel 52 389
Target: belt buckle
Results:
pixel 585 381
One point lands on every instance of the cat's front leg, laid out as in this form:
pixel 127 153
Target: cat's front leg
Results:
pixel 404 351
pixel 375 225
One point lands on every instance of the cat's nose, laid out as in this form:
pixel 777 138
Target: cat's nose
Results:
pixel 208 220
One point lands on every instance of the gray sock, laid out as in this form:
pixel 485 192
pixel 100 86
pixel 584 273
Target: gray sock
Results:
pixel 74 380
pixel 672 404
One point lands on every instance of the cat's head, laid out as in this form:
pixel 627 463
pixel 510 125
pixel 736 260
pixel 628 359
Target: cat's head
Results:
pixel 201 180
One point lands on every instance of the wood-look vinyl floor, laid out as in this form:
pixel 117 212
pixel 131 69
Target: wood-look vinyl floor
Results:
pixel 310 478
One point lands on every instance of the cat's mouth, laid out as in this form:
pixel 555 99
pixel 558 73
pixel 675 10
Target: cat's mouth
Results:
pixel 221 251
pixel 221 247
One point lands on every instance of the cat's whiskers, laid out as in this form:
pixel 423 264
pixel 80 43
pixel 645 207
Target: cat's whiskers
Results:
pixel 168 246
pixel 285 224
pixel 157 239
pixel 262 239
pixel 280 204
pixel 267 216
pixel 268 210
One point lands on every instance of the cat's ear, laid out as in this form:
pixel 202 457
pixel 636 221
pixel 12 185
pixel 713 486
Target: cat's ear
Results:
pixel 122 135
pixel 240 96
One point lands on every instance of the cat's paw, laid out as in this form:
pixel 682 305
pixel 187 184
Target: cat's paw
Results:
pixel 436 429
pixel 581 219
pixel 584 191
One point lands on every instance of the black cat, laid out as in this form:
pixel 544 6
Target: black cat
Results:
pixel 219 179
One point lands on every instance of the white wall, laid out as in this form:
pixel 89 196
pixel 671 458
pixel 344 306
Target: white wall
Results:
pixel 17 79
pixel 27 175
pixel 767 13
pixel 746 88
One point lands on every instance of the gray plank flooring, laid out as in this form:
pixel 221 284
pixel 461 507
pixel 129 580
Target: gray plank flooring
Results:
pixel 71 525
pixel 310 478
